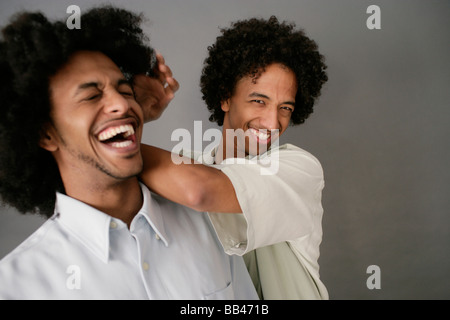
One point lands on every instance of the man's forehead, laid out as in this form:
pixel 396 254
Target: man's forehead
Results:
pixel 273 80
pixel 90 61
pixel 88 66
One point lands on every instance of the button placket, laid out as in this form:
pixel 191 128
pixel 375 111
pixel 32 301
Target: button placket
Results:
pixel 142 238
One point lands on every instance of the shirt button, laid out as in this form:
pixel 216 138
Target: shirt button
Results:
pixel 145 266
pixel 113 224
pixel 157 236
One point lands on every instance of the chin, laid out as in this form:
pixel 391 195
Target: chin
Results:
pixel 125 174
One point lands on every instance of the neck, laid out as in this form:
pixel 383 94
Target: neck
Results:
pixel 220 153
pixel 121 200
pixel 232 145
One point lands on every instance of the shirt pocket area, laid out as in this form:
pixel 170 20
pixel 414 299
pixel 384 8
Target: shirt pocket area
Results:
pixel 226 293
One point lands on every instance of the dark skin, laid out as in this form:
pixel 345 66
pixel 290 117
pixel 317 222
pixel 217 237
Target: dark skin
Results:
pixel 207 189
pixel 91 98
pixel 154 94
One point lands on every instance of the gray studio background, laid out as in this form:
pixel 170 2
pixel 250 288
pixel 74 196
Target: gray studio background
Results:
pixel 380 129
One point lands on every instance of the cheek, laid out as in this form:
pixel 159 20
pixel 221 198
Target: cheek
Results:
pixel 72 128
pixel 75 125
pixel 284 123
pixel 234 118
pixel 245 115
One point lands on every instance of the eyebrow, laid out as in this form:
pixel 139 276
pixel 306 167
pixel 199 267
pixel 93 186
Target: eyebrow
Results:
pixel 96 85
pixel 260 95
pixel 124 81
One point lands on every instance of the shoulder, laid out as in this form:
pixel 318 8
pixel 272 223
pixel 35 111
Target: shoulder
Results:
pixel 291 151
pixel 25 261
pixel 187 227
pixel 29 245
pixel 174 213
pixel 294 158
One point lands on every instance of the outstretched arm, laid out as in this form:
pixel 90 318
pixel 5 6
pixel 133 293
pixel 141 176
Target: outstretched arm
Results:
pixel 192 184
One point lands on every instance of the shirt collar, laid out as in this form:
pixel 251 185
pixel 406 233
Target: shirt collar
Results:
pixel 92 227
pixel 209 157
pixel 151 211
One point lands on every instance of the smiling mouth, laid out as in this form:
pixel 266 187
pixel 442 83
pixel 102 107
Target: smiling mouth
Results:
pixel 261 135
pixel 119 137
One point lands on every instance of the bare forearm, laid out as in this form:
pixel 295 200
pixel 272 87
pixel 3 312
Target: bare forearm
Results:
pixel 194 185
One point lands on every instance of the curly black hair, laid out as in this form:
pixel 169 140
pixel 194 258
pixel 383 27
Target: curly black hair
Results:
pixel 246 48
pixel 32 49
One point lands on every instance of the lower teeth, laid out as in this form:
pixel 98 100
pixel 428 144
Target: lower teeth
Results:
pixel 123 144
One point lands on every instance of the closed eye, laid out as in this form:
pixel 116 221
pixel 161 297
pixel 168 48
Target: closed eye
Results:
pixel 93 97
pixel 127 93
pixel 125 89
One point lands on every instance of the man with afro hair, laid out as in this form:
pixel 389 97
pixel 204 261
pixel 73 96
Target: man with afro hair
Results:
pixel 260 77
pixel 72 109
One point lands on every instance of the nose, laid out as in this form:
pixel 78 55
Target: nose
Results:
pixel 270 119
pixel 116 104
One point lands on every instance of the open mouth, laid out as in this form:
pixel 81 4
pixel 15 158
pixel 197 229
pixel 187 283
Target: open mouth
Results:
pixel 119 137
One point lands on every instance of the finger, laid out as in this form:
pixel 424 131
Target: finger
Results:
pixel 166 71
pixel 159 65
pixel 172 86
pixel 159 58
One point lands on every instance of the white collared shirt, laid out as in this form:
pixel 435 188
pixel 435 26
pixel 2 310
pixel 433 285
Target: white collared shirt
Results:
pixel 284 206
pixel 169 252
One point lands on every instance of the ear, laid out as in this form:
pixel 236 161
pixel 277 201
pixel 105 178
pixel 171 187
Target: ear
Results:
pixel 47 140
pixel 225 105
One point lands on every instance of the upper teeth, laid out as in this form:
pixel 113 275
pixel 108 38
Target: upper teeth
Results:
pixel 109 133
pixel 264 135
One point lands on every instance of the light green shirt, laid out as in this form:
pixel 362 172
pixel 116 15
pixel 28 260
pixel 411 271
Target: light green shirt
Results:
pixel 280 230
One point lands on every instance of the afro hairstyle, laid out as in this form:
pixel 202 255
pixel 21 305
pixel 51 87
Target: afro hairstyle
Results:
pixel 32 49
pixel 246 48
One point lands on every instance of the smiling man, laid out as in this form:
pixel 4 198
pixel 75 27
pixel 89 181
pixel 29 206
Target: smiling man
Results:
pixel 70 131
pixel 259 110
pixel 95 133
pixel 260 77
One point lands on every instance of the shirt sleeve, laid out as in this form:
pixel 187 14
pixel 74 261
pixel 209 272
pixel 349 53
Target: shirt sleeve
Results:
pixel 280 204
